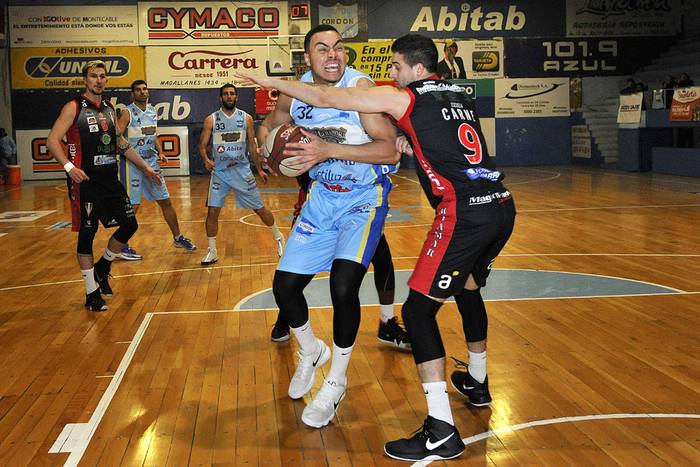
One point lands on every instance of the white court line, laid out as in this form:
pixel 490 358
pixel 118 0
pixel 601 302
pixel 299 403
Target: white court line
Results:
pixel 554 421
pixel 75 437
pixel 238 266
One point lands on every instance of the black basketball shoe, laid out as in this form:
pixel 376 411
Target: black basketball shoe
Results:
pixel 391 333
pixel 435 440
pixel 476 393
pixel 94 301
pixel 102 275
pixel 280 331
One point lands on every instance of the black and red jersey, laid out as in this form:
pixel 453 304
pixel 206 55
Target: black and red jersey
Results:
pixel 92 138
pixel 443 128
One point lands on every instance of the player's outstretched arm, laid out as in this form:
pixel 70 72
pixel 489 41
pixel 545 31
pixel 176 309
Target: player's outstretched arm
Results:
pixel 377 99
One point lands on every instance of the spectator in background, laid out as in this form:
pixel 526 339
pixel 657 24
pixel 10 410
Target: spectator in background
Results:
pixel 452 66
pixel 667 85
pixel 630 88
pixel 684 81
pixel 8 148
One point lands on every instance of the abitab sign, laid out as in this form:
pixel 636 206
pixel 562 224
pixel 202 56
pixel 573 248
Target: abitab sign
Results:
pixel 474 19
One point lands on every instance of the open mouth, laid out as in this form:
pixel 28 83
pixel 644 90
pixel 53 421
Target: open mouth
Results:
pixel 332 67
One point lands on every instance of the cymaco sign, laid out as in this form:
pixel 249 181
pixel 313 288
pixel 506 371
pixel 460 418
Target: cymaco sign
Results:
pixel 201 67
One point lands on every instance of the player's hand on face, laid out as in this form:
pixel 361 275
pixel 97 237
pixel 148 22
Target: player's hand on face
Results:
pixel 209 164
pixel 308 154
pixel 403 146
pixel 78 175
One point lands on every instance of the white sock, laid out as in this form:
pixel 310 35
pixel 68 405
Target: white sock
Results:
pixel 212 242
pixel 339 364
pixel 109 255
pixel 477 365
pixel 276 234
pixel 438 402
pixel 387 312
pixel 89 279
pixel 305 337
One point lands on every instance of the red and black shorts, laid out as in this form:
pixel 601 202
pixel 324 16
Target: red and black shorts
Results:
pixel 465 238
pixel 99 200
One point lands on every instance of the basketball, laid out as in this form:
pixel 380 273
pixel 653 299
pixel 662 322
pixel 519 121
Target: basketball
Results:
pixel 274 148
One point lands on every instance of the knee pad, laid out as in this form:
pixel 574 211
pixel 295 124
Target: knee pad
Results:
pixel 85 238
pixel 474 319
pixel 418 313
pixel 288 289
pixel 126 230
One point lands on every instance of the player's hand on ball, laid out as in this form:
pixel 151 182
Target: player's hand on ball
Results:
pixel 309 153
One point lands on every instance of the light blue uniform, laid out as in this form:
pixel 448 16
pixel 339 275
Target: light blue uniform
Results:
pixel 141 133
pixel 231 165
pixel 344 213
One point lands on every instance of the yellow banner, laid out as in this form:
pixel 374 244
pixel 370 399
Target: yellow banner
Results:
pixel 373 58
pixel 61 67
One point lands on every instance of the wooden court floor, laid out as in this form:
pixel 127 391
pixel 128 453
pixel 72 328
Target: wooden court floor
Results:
pixel 171 375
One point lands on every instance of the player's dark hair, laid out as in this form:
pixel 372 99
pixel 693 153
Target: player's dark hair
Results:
pixel 138 82
pixel 315 30
pixel 227 85
pixel 417 49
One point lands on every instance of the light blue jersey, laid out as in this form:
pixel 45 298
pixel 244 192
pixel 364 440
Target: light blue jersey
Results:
pixel 141 134
pixel 339 126
pixel 231 165
pixel 343 217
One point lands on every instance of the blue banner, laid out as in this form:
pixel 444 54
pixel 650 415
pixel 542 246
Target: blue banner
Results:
pixel 174 106
pixel 581 56
pixel 458 19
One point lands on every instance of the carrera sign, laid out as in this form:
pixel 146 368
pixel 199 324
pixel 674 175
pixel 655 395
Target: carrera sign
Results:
pixel 61 67
pixel 190 67
pixel 218 23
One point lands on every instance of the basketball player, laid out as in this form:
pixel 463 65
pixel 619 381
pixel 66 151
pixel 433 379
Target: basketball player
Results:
pixel 140 122
pixel 96 195
pixel 474 218
pixel 340 223
pixel 390 331
pixel 233 132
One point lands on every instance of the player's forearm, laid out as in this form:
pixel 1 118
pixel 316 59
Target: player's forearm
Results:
pixel 56 150
pixel 203 153
pixel 375 152
pixel 135 159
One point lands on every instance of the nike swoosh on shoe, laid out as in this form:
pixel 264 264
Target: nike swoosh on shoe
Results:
pixel 431 446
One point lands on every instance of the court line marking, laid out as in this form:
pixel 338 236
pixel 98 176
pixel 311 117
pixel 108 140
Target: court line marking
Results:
pixel 237 266
pixel 554 421
pixel 75 437
pixel 237 307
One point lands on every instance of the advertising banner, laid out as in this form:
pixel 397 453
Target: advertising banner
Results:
pixel 596 18
pixel 210 23
pixel 532 97
pixel 201 67
pixel 482 58
pixel 630 109
pixel 373 58
pixel 686 105
pixel 487 19
pixel 174 107
pixel 580 141
pixel 78 25
pixel 581 56
pixel 348 17
pixel 38 164
pixel 61 67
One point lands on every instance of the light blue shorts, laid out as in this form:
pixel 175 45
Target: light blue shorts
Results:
pixel 138 184
pixel 241 182
pixel 336 225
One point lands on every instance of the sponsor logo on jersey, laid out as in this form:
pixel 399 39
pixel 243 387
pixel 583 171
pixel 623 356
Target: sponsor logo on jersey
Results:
pixel 104 159
pixel 94 128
